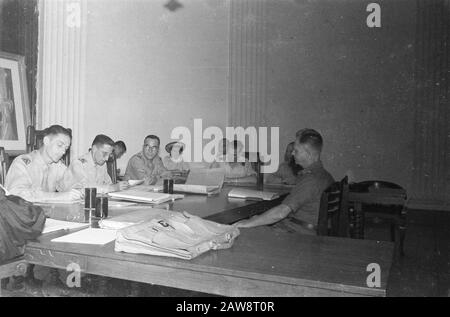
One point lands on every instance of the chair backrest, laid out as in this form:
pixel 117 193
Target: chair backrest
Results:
pixel 255 160
pixel 333 210
pixel 111 166
pixel 35 139
pixel 3 165
pixel 374 186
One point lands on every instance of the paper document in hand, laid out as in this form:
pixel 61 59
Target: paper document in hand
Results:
pixel 252 194
pixel 143 197
pixel 89 236
pixel 52 225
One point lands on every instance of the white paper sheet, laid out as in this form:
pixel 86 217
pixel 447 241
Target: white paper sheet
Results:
pixel 89 236
pixel 52 225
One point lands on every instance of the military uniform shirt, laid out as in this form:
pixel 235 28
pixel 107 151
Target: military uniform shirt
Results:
pixel 139 167
pixel 284 174
pixel 84 173
pixel 304 198
pixel 32 179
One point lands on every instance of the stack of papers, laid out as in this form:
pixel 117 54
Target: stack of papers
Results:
pixel 251 194
pixel 196 189
pixel 52 225
pixel 89 236
pixel 144 196
pixel 132 218
pixel 202 181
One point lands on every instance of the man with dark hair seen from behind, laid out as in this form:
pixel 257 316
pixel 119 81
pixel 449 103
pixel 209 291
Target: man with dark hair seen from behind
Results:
pixel 119 149
pixel 299 210
pixel 38 175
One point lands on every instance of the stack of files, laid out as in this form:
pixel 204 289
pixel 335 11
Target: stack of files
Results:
pixel 132 218
pixel 196 189
pixel 144 196
pixel 251 194
pixel 52 225
pixel 202 181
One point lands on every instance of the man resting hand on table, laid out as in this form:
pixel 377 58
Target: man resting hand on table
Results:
pixel 299 210
pixel 90 169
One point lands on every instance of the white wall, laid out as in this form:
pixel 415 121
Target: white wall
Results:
pixel 150 69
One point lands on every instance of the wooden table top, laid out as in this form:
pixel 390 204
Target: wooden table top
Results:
pixel 217 208
pixel 260 263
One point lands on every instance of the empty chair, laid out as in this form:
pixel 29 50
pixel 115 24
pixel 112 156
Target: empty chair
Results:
pixel 111 166
pixel 333 211
pixel 394 214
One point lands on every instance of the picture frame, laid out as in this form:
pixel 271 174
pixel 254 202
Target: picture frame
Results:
pixel 14 103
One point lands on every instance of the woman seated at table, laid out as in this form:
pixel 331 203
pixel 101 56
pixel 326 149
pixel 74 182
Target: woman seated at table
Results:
pixel 236 167
pixel 174 162
pixel 287 171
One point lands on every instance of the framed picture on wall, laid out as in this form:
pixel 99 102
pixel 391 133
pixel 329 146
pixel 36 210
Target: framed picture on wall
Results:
pixel 14 104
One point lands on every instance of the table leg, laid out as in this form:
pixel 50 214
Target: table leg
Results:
pixel 359 221
pixel 402 229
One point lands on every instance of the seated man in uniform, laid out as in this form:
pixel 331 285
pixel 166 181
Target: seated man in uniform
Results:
pixel 38 175
pixel 299 210
pixel 90 169
pixel 287 171
pixel 147 164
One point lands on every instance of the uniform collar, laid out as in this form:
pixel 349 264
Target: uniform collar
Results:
pixel 37 157
pixel 314 166
pixel 141 154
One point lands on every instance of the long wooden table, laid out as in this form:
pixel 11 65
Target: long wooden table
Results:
pixel 261 262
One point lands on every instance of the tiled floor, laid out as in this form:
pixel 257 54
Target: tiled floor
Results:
pixel 423 271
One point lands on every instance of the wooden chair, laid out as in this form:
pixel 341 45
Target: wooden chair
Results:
pixel 111 166
pixel 17 266
pixel 35 139
pixel 395 215
pixel 255 160
pixel 3 165
pixel 333 211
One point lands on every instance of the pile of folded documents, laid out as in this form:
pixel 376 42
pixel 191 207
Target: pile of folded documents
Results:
pixel 178 234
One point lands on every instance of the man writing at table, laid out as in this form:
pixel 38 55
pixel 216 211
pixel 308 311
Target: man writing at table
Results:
pixel 147 164
pixel 38 176
pixel 299 210
pixel 90 169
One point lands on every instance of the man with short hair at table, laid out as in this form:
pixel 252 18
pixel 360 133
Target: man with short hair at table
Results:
pixel 38 176
pixel 299 210
pixel 90 169
pixel 147 164
pixel 119 149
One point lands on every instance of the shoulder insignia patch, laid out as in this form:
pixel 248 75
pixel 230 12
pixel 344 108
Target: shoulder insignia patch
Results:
pixel 26 160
